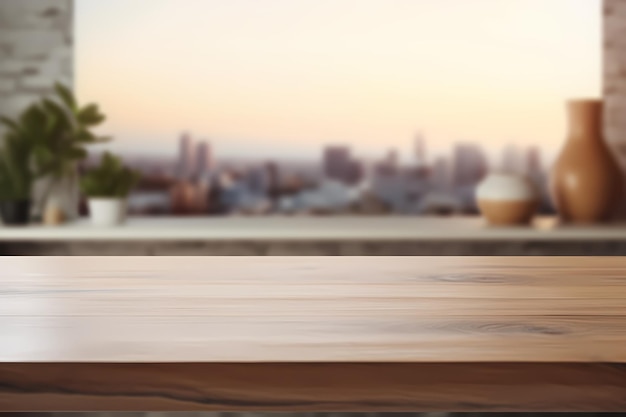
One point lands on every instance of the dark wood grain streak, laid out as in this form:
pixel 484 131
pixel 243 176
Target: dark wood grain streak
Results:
pixel 313 387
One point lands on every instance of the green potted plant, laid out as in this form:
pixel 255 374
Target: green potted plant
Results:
pixel 63 145
pixel 56 131
pixel 18 170
pixel 107 187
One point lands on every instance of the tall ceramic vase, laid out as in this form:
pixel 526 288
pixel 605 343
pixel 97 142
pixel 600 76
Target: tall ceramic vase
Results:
pixel 586 182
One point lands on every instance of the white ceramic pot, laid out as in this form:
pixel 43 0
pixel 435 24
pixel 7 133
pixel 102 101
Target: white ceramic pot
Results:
pixel 107 211
pixel 506 199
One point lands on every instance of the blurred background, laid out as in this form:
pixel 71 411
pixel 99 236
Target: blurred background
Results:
pixel 322 107
pixel 394 110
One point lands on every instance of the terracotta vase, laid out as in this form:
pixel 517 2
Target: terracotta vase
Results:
pixel 586 181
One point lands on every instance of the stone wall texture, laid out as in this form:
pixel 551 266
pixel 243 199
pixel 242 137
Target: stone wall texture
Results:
pixel 36 38
pixel 615 74
pixel 36 50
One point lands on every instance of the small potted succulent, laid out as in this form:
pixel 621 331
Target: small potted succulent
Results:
pixel 107 187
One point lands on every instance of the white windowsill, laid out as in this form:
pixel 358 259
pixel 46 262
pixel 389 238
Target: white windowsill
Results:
pixel 314 229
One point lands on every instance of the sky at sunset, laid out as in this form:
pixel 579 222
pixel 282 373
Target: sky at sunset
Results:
pixel 263 78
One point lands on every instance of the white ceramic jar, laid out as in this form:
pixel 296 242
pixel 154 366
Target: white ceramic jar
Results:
pixel 506 199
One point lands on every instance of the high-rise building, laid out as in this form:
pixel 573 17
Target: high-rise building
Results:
pixel 185 157
pixel 420 151
pixel 259 180
pixel 389 166
pixel 470 165
pixel 340 166
pixel 204 159
pixel 440 174
pixel 336 162
pixel 357 172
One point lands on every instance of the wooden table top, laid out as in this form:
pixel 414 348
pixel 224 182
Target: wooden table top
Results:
pixel 312 309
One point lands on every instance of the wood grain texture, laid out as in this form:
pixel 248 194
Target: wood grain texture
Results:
pixel 313 309
pixel 313 387
pixel 313 333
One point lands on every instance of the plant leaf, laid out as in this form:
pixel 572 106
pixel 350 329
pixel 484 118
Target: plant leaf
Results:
pixel 109 179
pixel 90 115
pixel 66 96
pixel 76 153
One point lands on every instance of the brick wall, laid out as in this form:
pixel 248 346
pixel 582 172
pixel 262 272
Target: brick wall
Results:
pixel 35 50
pixel 36 38
pixel 615 73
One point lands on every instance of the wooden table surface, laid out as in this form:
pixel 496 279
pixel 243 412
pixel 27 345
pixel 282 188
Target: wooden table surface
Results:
pixel 312 333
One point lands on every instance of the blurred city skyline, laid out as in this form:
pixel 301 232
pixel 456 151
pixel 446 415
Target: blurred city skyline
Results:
pixel 324 107
pixel 196 180
pixel 280 79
